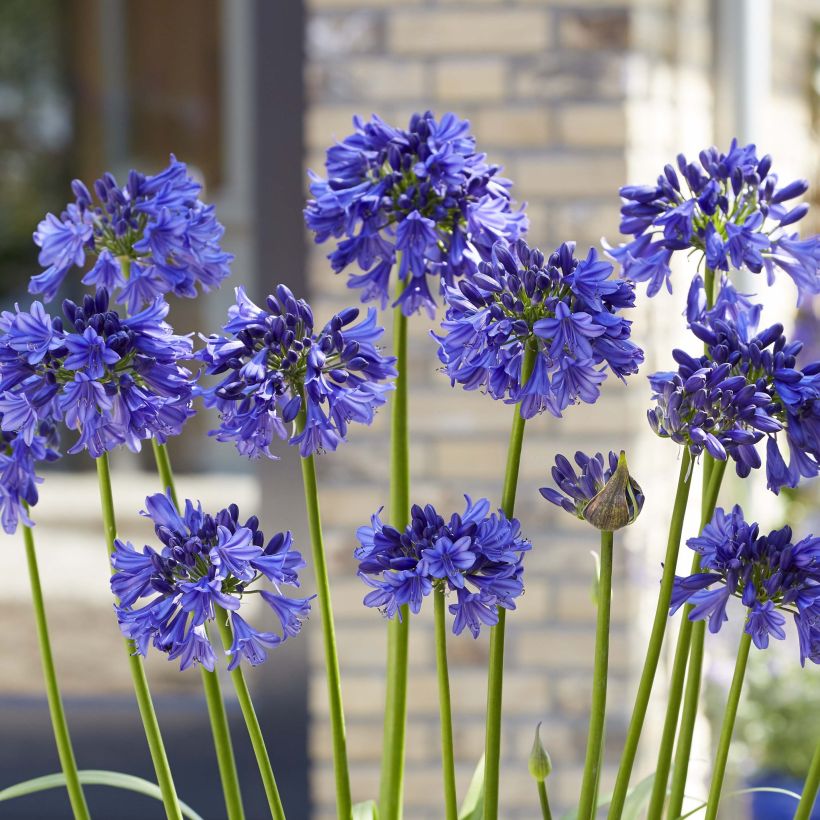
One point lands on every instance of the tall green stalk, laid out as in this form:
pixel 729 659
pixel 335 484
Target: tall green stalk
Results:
pixel 216 704
pixel 544 800
pixel 448 770
pixel 810 788
pixel 653 650
pixel 680 662
pixel 391 787
pixel 150 724
pixel 728 726
pixel 495 677
pixel 59 724
pixel 217 715
pixel 597 717
pixel 344 805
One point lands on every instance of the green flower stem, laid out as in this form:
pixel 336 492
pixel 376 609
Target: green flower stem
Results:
pixel 395 712
pixel 495 678
pixel 726 729
pixel 653 651
pixel 150 724
pixel 546 814
pixel 210 680
pixel 810 788
pixel 679 664
pixel 597 719
pixel 344 805
pixel 59 724
pixel 448 770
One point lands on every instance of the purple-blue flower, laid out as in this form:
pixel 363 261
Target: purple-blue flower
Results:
pixel 729 208
pixel 147 238
pixel 770 574
pixel 421 195
pixel 206 562
pixel 274 366
pixel 563 309
pixel 476 555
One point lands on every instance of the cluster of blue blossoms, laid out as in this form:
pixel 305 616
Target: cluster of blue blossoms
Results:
pixel 114 380
pixel 276 367
pixel 769 574
pixel 563 309
pixel 207 565
pixel 477 555
pixel 729 208
pixel 149 237
pixel 422 195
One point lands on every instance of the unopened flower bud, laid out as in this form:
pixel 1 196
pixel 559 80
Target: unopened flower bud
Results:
pixel 539 763
pixel 619 503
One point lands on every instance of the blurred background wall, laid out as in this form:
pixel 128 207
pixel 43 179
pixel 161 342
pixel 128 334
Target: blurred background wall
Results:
pixel 574 98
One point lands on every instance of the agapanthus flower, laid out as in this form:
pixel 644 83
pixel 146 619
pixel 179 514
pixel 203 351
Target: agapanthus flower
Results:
pixel 18 477
pixel 477 556
pixel 744 388
pixel 115 380
pixel 584 495
pixel 563 309
pixel 274 367
pixel 422 195
pixel 206 562
pixel 770 574
pixel 729 208
pixel 147 238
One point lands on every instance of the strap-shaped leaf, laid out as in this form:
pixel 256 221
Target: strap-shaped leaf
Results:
pixel 740 793
pixel 636 799
pixel 366 811
pixel 473 806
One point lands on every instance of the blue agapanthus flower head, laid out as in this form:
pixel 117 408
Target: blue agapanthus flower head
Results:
pixel 147 238
pixel 729 208
pixel 770 574
pixel 477 556
pixel 275 366
pixel 204 562
pixel 19 457
pixel 746 387
pixel 115 380
pixel 423 195
pixel 563 309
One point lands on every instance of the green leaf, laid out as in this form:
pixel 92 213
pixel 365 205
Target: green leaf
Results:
pixel 740 793
pixel 93 777
pixel 473 806
pixel 639 793
pixel 366 811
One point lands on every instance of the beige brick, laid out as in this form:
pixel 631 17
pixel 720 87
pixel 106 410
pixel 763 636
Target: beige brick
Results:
pixel 468 31
pixel 569 174
pixel 355 5
pixel 463 81
pixel 590 125
pixel 386 79
pixel 324 124
pixel 595 29
pixel 518 127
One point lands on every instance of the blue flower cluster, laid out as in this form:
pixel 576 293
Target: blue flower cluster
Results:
pixel 275 367
pixel 744 388
pixel 476 555
pixel 422 194
pixel 730 208
pixel 149 237
pixel 115 380
pixel 564 309
pixel 769 573
pixel 206 562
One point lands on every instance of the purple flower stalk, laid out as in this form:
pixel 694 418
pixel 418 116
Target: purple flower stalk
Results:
pixel 564 309
pixel 205 562
pixel 421 193
pixel 274 367
pixel 769 574
pixel 476 556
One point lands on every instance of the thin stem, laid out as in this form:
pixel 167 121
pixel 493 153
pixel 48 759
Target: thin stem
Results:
pixel 59 724
pixel 448 770
pixel 495 677
pixel 653 651
pixel 546 814
pixel 679 665
pixel 344 805
pixel 597 719
pixel 729 715
pixel 214 700
pixel 150 724
pixel 391 786
pixel 810 788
